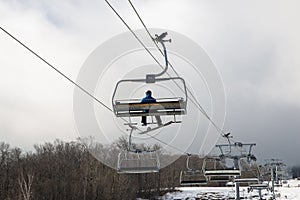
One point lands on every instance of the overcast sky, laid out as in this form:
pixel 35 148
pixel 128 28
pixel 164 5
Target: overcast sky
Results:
pixel 253 43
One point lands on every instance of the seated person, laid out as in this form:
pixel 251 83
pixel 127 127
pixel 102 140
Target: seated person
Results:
pixel 149 99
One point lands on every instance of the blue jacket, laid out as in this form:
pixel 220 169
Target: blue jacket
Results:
pixel 148 99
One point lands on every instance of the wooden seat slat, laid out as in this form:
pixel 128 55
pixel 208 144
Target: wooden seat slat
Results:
pixel 137 114
pixel 158 108
pixel 148 106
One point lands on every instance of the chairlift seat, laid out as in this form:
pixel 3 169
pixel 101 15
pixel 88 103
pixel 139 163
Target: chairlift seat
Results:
pixel 219 179
pixel 135 109
pixel 193 182
pixel 246 180
pixel 259 186
pixel 138 162
pixel 138 170
pixel 192 177
pixel 225 172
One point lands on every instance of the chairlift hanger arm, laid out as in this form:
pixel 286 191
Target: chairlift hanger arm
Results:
pixel 221 150
pixel 187 161
pixel 160 39
pixel 130 147
pixel 251 146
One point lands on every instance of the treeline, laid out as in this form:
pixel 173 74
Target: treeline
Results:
pixel 295 171
pixel 67 170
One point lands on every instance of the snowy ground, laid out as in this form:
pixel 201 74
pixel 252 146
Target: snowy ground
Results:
pixel 290 191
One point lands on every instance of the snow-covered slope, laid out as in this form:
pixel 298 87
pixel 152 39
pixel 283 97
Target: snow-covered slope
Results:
pixel 290 190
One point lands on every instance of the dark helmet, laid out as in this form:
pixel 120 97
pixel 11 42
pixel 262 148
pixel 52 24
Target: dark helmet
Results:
pixel 149 92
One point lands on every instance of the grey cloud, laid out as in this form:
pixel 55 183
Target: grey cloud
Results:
pixel 254 44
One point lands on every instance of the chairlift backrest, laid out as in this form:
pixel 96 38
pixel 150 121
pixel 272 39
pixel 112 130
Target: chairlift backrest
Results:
pixel 192 176
pixel 213 167
pixel 138 162
pixel 246 180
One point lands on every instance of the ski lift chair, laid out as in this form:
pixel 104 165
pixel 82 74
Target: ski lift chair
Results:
pixel 246 180
pixel 140 161
pixel 163 106
pixel 174 106
pixel 216 171
pixel 259 186
pixel 250 173
pixel 191 176
pixel 134 162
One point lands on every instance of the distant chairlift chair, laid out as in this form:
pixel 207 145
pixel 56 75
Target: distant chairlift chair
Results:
pixel 249 174
pixel 133 160
pixel 191 176
pixel 216 171
pixel 130 162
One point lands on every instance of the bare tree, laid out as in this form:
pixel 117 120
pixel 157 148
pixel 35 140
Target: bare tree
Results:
pixel 25 185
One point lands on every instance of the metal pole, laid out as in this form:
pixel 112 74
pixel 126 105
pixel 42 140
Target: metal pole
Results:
pixel 276 175
pixel 272 181
pixel 237 191
pixel 237 185
pixel 259 193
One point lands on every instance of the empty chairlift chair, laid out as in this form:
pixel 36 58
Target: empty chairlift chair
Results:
pixel 192 176
pixel 133 160
pixel 249 175
pixel 259 186
pixel 215 170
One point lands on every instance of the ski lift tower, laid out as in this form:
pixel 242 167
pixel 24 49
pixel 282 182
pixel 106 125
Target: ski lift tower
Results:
pixel 236 151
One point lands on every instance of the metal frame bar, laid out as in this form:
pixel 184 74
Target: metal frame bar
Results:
pixel 225 172
pixel 137 169
pixel 198 178
pixel 246 180
pixel 114 102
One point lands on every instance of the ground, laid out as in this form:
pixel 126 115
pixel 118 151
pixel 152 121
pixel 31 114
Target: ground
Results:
pixel 290 191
